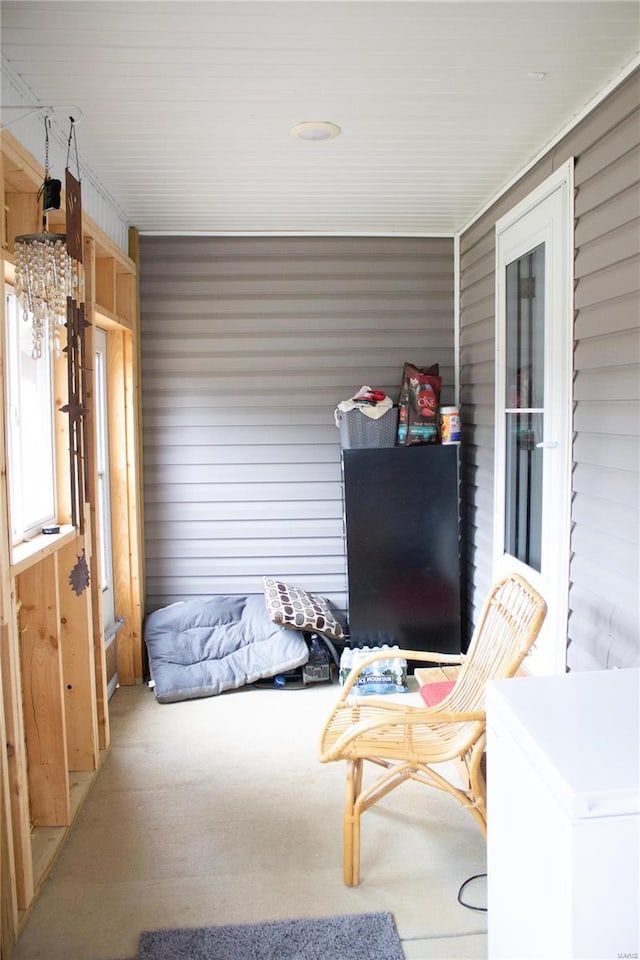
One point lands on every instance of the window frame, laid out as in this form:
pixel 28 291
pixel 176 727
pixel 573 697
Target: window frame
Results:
pixel 25 523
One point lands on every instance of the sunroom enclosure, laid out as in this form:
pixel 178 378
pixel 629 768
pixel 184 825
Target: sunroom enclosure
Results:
pixel 54 716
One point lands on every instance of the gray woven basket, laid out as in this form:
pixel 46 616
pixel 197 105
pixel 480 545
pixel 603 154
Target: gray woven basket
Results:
pixel 357 430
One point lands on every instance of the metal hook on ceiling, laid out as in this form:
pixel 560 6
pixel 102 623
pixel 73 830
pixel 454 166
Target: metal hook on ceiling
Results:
pixel 30 109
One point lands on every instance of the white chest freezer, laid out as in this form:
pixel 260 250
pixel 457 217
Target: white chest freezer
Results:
pixel 563 811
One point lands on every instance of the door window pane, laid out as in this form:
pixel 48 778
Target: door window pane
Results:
pixel 523 505
pixel 525 331
pixel 525 299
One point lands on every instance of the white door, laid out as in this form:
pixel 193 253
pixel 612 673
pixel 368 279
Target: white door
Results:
pixel 534 319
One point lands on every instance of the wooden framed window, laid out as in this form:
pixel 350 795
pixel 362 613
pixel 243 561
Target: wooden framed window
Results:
pixel 31 437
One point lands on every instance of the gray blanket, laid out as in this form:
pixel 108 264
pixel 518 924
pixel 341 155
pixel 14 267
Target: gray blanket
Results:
pixel 199 648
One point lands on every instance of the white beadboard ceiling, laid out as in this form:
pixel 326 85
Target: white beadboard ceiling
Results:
pixel 185 107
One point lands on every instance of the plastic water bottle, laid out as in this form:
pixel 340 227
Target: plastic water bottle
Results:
pixel 346 663
pixel 386 664
pixel 356 659
pixel 366 652
pixel 401 667
pixel 363 681
pixel 318 666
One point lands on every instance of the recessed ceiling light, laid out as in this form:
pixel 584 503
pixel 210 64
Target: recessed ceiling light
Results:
pixel 315 130
pixel 536 75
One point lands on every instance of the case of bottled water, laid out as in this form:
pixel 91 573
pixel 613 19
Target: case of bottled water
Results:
pixel 387 675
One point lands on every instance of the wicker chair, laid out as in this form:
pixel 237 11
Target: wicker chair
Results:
pixel 406 740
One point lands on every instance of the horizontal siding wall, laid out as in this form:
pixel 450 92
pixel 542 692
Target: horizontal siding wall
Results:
pixel 248 345
pixel 605 541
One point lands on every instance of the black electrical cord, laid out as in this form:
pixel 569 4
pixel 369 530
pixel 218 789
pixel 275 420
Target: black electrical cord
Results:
pixel 470 906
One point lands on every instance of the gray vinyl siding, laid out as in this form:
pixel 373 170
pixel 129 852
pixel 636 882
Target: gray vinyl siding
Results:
pixel 248 345
pixel 603 592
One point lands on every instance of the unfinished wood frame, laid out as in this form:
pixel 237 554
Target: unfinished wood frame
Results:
pixel 54 716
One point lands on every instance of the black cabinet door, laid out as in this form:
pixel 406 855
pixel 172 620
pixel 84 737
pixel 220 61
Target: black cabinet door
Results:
pixel 401 516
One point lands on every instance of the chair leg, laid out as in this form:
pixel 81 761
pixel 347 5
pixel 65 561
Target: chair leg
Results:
pixel 351 829
pixel 478 784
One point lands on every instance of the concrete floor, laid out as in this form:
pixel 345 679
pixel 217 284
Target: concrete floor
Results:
pixel 218 811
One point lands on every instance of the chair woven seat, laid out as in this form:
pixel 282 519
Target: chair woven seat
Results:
pixel 407 740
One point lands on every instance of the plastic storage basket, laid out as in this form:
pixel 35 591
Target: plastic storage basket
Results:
pixel 358 430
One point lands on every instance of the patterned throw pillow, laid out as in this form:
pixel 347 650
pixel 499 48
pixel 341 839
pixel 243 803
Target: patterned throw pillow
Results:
pixel 292 607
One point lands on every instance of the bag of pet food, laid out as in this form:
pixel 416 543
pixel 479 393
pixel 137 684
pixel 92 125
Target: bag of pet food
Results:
pixel 418 404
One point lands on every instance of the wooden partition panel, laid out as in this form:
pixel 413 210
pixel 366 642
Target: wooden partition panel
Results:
pixel 125 297
pixel 136 467
pixel 8 892
pixel 106 282
pixel 17 779
pixel 120 502
pixel 78 668
pixel 43 699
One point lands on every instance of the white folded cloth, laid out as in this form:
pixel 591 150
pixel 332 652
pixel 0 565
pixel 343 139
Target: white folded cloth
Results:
pixel 372 410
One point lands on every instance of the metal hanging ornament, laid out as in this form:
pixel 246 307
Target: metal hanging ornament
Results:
pixel 78 367
pixel 79 578
pixel 73 196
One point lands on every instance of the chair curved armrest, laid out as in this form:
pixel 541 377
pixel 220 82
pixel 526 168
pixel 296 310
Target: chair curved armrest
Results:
pixel 435 715
pixel 431 656
pixel 422 655
pixel 404 716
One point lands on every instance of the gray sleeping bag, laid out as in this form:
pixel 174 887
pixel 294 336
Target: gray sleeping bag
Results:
pixel 198 648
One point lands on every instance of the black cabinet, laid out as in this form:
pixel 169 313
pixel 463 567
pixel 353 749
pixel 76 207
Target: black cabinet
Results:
pixel 401 519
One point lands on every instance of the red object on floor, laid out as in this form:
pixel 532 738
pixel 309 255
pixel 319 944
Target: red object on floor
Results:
pixel 433 693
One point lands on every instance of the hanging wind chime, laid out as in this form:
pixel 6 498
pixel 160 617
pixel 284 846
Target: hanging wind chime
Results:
pixel 44 269
pixel 50 287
